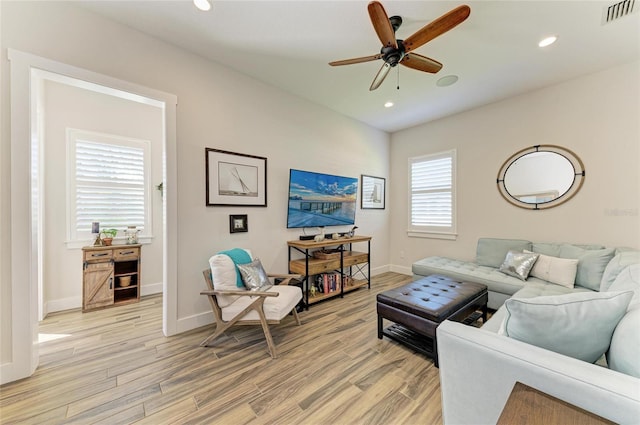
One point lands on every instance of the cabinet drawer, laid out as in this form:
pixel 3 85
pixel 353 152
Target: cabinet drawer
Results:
pixel 98 255
pixel 124 254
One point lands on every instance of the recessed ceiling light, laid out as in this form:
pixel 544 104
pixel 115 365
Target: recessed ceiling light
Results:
pixel 203 5
pixel 547 41
pixel 388 104
pixel 447 80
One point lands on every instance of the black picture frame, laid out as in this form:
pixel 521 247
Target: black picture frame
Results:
pixel 235 179
pixel 372 192
pixel 238 223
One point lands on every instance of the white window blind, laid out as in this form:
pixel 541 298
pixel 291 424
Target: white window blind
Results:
pixel 432 195
pixel 108 179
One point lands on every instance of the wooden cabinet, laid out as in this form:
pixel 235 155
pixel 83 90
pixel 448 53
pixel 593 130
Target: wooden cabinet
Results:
pixel 331 267
pixel 111 275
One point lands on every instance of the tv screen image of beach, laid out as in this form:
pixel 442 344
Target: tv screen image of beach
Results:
pixel 317 199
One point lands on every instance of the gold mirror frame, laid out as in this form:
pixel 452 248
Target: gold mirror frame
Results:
pixel 572 158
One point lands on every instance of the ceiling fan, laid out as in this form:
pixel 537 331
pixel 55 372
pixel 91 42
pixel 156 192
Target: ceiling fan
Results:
pixel 395 52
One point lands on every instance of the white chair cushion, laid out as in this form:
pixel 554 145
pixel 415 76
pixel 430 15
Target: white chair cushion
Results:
pixel 224 276
pixel 275 308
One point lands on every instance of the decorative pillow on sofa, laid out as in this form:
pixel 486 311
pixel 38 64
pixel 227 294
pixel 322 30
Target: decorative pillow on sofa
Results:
pixel 591 264
pixel 561 271
pixel 254 276
pixel 624 352
pixel 491 252
pixel 622 260
pixel 518 264
pixel 578 325
pixel 629 280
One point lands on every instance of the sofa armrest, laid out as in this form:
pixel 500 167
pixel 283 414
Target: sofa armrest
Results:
pixel 478 370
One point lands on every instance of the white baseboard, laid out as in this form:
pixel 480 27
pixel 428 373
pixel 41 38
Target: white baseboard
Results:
pixel 76 302
pixel 62 304
pixel 401 269
pixel 194 321
pixel 150 289
pixel 379 270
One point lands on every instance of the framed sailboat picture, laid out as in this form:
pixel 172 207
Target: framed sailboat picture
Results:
pixel 372 194
pixel 235 179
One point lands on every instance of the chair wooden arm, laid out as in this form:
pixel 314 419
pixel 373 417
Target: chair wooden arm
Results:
pixel 286 277
pixel 241 293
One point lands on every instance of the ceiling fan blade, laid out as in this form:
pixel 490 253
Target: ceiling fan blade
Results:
pixel 381 24
pixel 437 27
pixel 421 63
pixel 355 60
pixel 380 76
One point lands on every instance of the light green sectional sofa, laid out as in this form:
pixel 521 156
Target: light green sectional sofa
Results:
pixel 545 334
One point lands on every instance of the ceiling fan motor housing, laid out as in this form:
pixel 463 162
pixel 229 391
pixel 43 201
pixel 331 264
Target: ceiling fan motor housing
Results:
pixel 391 55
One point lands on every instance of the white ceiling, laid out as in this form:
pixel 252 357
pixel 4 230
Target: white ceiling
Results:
pixel 494 53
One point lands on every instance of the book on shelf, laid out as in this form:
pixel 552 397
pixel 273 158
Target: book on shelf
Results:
pixel 327 283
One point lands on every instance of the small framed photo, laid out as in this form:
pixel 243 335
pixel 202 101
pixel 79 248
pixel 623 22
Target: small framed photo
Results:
pixel 238 223
pixel 235 179
pixel 372 194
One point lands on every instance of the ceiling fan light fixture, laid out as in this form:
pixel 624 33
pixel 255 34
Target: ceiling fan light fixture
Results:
pixel 548 41
pixel 203 5
pixel 388 104
pixel 447 80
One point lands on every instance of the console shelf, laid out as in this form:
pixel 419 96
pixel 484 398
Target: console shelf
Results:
pixel 347 271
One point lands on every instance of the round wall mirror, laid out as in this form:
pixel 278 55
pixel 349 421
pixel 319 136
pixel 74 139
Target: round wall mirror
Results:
pixel 541 177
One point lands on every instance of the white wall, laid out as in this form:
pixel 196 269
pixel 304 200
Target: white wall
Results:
pixel 217 108
pixel 66 107
pixel 596 116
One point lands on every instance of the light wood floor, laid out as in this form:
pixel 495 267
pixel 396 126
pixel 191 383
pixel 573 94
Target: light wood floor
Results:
pixel 115 366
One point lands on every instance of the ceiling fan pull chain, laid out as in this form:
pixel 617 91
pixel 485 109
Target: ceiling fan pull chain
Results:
pixel 398 84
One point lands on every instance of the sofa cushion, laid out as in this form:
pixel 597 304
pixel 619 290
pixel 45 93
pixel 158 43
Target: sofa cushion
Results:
pixel 533 288
pixel 591 264
pixel 561 271
pixel 618 263
pixel 464 270
pixel 492 252
pixel 629 280
pixel 553 248
pixel 518 264
pixel 624 352
pixel 578 325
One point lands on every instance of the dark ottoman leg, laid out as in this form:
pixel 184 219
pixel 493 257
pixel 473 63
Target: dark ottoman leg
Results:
pixel 379 327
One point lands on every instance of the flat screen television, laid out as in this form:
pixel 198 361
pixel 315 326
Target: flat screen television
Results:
pixel 317 199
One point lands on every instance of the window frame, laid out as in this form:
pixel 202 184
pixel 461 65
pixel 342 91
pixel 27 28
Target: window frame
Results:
pixel 77 239
pixel 433 232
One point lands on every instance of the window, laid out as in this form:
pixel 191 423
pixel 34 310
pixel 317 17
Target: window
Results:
pixel 108 178
pixel 432 197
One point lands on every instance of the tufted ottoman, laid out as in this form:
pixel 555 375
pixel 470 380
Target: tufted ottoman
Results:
pixel 420 306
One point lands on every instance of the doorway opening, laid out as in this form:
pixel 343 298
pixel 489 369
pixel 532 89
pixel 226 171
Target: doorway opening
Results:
pixel 27 208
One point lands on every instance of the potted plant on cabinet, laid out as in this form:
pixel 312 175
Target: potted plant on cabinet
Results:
pixel 108 235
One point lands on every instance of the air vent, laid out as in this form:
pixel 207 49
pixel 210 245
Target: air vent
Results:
pixel 617 11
